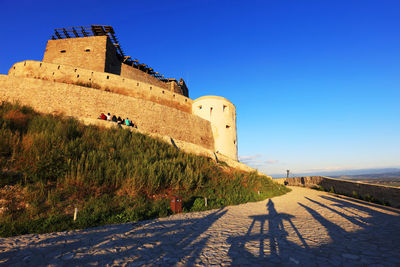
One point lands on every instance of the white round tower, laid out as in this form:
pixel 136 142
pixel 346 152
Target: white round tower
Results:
pixel 222 115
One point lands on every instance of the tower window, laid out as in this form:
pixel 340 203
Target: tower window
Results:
pixel 228 126
pixel 200 107
pixel 224 107
pixel 87 50
pixel 211 111
pixel 108 77
pixel 63 51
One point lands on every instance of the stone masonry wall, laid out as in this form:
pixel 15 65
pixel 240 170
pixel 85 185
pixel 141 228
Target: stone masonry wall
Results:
pixel 82 102
pixel 379 192
pixel 135 74
pixel 97 53
pixel 88 53
pixel 102 81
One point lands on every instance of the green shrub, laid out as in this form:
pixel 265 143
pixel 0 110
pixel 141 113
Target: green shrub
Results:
pixel 110 175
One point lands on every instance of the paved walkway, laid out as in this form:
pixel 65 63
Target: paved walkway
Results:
pixel 304 227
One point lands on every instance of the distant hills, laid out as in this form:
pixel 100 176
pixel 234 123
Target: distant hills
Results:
pixel 366 173
pixel 383 176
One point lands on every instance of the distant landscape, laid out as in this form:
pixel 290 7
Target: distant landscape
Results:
pixel 387 178
pixel 382 176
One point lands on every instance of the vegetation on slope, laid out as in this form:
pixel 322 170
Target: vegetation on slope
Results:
pixel 50 165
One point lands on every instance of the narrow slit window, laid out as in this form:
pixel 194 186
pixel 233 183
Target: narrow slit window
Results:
pixel 211 111
pixel 108 77
pixel 137 84
pixel 224 107
pixel 151 88
pixel 77 76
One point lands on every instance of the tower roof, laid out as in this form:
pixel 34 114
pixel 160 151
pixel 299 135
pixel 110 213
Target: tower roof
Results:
pixel 86 31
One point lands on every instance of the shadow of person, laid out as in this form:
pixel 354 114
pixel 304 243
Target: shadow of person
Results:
pixel 268 243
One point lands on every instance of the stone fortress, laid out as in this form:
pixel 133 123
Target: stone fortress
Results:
pixel 85 72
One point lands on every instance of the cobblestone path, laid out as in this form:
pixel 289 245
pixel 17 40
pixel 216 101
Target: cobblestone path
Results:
pixel 302 228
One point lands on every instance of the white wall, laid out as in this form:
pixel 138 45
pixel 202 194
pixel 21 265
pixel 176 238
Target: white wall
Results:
pixel 222 115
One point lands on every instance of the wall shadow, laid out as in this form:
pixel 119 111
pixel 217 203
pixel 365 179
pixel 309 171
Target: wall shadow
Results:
pixel 273 239
pixel 152 242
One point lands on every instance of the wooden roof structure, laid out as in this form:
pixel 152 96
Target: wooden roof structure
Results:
pixel 104 30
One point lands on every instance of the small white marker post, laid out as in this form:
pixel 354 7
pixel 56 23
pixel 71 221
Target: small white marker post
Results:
pixel 205 201
pixel 75 213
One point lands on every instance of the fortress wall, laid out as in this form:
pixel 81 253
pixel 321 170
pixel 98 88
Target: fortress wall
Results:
pixel 82 102
pixel 222 115
pixel 138 75
pixel 97 53
pixel 88 53
pixel 102 81
pixel 379 192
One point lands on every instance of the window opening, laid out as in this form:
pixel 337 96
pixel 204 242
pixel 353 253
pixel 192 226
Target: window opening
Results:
pixel 63 51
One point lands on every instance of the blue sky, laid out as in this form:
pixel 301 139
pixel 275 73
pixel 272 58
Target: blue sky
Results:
pixel 315 83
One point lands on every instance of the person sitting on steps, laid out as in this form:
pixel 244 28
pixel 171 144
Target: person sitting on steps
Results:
pixel 102 117
pixel 127 121
pixel 114 118
pixel 119 120
pixel 108 117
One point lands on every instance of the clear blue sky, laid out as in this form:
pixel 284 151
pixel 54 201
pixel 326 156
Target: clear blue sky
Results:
pixel 315 83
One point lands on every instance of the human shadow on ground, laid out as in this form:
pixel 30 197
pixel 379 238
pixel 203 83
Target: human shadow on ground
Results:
pixel 265 245
pixel 374 242
pixel 160 242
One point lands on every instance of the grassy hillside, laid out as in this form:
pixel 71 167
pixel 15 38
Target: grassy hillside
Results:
pixel 50 165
